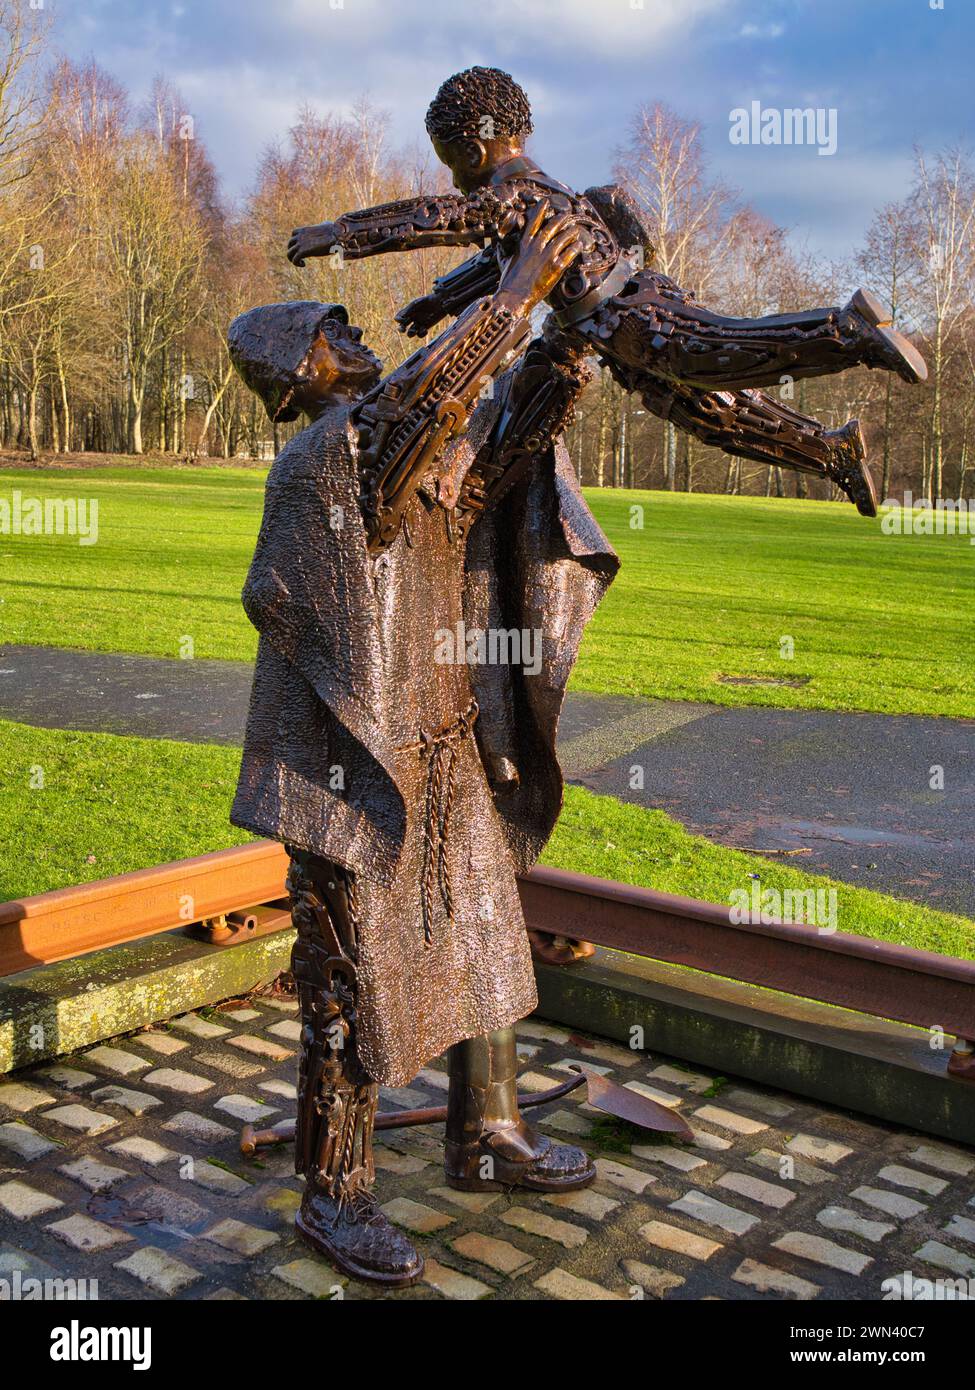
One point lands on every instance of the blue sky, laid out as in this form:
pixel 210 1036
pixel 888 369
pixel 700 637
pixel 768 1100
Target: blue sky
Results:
pixel 897 72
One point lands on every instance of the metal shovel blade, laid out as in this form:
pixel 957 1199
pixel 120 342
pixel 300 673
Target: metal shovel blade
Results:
pixel 614 1099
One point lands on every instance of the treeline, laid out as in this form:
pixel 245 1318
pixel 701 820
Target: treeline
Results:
pixel 122 262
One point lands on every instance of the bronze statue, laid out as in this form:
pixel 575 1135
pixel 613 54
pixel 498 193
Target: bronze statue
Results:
pixel 697 368
pixel 411 789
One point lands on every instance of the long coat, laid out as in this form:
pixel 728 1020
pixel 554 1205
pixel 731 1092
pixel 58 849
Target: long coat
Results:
pixel 365 746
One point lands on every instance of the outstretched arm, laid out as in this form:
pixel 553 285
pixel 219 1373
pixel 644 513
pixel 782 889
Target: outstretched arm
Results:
pixel 446 219
pixel 406 421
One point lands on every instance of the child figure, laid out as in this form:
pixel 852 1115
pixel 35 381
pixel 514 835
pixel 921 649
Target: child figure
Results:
pixel 700 369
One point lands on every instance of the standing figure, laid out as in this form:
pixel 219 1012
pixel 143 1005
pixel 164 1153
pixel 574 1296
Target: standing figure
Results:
pixel 420 597
pixel 697 368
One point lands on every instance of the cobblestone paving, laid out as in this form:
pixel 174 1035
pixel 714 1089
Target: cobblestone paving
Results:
pixel 122 1164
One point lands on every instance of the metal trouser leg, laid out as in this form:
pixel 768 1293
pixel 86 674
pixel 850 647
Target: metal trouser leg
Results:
pixel 337 1100
pixel 659 329
pixel 748 424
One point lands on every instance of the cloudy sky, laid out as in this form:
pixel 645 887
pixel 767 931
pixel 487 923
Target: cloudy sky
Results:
pixel 896 72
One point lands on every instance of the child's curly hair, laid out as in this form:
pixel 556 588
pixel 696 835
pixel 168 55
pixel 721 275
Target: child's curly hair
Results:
pixel 478 104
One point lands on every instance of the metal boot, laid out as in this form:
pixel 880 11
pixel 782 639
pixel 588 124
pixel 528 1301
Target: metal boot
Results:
pixel 848 469
pixel 337 1100
pixel 488 1145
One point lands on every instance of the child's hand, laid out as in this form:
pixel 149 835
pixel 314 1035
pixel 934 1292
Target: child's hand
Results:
pixel 547 250
pixel 419 316
pixel 312 241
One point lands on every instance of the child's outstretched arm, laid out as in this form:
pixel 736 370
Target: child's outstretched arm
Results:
pixel 445 219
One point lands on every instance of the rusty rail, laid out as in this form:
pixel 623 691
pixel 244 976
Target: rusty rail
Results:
pixel 854 972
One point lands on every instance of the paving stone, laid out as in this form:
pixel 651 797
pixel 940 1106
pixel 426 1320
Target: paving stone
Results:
pixel 536 1223
pixel 768 1193
pixel 242 1108
pixel 559 1283
pixel 806 1173
pixel 622 1175
pixel 570 1065
pixel 526 1051
pixel 534 1082
pixel 667 1237
pixel 415 1216
pixel 159 1271
pixel 14 1261
pixel 765 1105
pixel 198 1127
pixel 567 1122
pixel 822 1150
pixel 116 1059
pixel 890 1202
pixel 81 1119
pixel 945 1160
pixel 583 1203
pixel 136 1102
pixel 145 1150
pixel 499 1255
pixel 452 1284
pixel 198 1027
pixel 23 1099
pixel 822 1252
pixel 962 1228
pixel 283 1202
pixel 230 1065
pixel 402 1098
pixel 728 1119
pixel 225 1295
pixel 710 1143
pixel 260 1047
pixel 774 1281
pixel 656 1282
pixel 665 1098
pixel 288 1028
pixel 243 1015
pixel 184 1083
pixel 71 1078
pixel 389 1161
pixel 714 1213
pixel 163 1043
pixel 82 1233
pixel 284 1006
pixel 95 1176
pixel 213 1178
pixel 842 1219
pixel 168 1206
pixel 23 1203
pixel 611 1053
pixel 910 1177
pixel 313 1278
pixel 475 1202
pixel 23 1141
pixel 439 1080
pixel 934 1252
pixel 286 1089
pixel 534 1028
pixel 240 1238
pixel 689 1080
pixel 670 1156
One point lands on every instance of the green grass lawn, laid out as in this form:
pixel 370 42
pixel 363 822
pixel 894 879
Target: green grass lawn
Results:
pixel 111 804
pixel 710 588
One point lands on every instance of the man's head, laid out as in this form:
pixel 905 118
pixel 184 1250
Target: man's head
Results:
pixel 477 120
pixel 301 356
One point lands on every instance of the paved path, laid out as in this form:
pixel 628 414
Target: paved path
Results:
pixel 853 790
pixel 121 1164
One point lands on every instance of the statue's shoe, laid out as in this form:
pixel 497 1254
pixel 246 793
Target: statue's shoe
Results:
pixel 895 352
pixel 559 950
pixel 848 467
pixel 517 1157
pixel 358 1239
